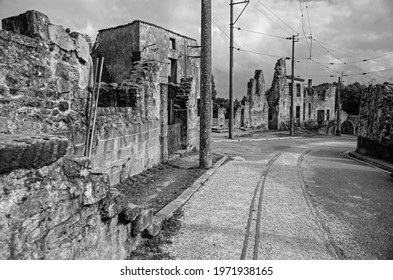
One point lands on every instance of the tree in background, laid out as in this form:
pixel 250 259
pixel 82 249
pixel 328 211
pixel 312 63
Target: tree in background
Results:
pixel 350 96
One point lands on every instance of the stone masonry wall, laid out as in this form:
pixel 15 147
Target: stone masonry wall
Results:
pixel 126 149
pixel 57 208
pixel 44 77
pixel 376 122
pixel 52 205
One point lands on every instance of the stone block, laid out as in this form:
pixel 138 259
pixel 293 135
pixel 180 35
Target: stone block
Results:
pixel 100 148
pixel 32 23
pixel 3 125
pixel 109 145
pixel 152 230
pixel 61 38
pixel 63 86
pixel 79 150
pixel 108 133
pixel 113 204
pixel 125 153
pixel 74 167
pixel 125 141
pixel 30 151
pixel 79 137
pixel 96 188
pixel 130 213
pixel 81 47
pixel 115 178
pixel 143 221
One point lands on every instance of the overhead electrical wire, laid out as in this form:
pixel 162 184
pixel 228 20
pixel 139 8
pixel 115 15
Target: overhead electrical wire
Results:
pixel 217 23
pixel 304 32
pixel 278 17
pixel 309 25
pixel 364 72
pixel 261 33
pixel 263 54
pixel 266 15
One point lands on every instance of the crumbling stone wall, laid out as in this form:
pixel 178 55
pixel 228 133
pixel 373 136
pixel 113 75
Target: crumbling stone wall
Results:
pixel 252 111
pixel 375 135
pixel 56 208
pixel 278 98
pixel 258 107
pixel 186 111
pixel 44 77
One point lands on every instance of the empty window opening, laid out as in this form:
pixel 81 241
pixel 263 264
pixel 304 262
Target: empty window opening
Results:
pixel 320 116
pixel 173 43
pixel 298 115
pixel 173 76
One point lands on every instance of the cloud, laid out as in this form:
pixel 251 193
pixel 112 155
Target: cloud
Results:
pixel 346 31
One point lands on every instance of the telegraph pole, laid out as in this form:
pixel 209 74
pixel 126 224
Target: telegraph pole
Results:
pixel 205 151
pixel 231 26
pixel 338 130
pixel 292 122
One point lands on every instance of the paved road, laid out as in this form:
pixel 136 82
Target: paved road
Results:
pixel 289 199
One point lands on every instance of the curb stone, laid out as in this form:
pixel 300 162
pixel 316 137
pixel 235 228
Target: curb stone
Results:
pixel 168 211
pixel 369 162
pixel 256 140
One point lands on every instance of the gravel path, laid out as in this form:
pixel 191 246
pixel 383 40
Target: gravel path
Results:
pixel 215 218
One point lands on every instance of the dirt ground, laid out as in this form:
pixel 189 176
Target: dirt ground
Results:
pixel 158 186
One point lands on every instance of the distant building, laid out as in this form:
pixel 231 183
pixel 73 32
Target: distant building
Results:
pixel 313 105
pixel 252 112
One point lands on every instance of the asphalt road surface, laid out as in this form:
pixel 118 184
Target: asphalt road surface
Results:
pixel 297 198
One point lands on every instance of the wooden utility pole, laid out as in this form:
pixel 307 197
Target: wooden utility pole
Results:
pixel 338 130
pixel 205 151
pixel 231 26
pixel 231 72
pixel 292 89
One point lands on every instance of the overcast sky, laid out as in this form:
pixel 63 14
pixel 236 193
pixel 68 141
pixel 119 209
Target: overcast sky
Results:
pixel 344 31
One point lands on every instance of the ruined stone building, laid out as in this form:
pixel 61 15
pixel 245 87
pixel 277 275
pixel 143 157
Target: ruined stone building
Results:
pixel 252 112
pixel 313 105
pixel 176 55
pixel 56 203
pixel 173 59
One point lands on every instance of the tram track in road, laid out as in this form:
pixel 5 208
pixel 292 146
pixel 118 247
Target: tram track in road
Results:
pixel 329 241
pixel 254 218
pixel 252 238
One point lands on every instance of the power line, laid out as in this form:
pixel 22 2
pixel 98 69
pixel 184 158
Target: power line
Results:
pixel 325 66
pixel 217 24
pixel 309 20
pixel 309 25
pixel 304 32
pixel 329 52
pixel 264 54
pixel 262 33
pixel 277 17
pixel 364 72
pixel 370 72
pixel 265 14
